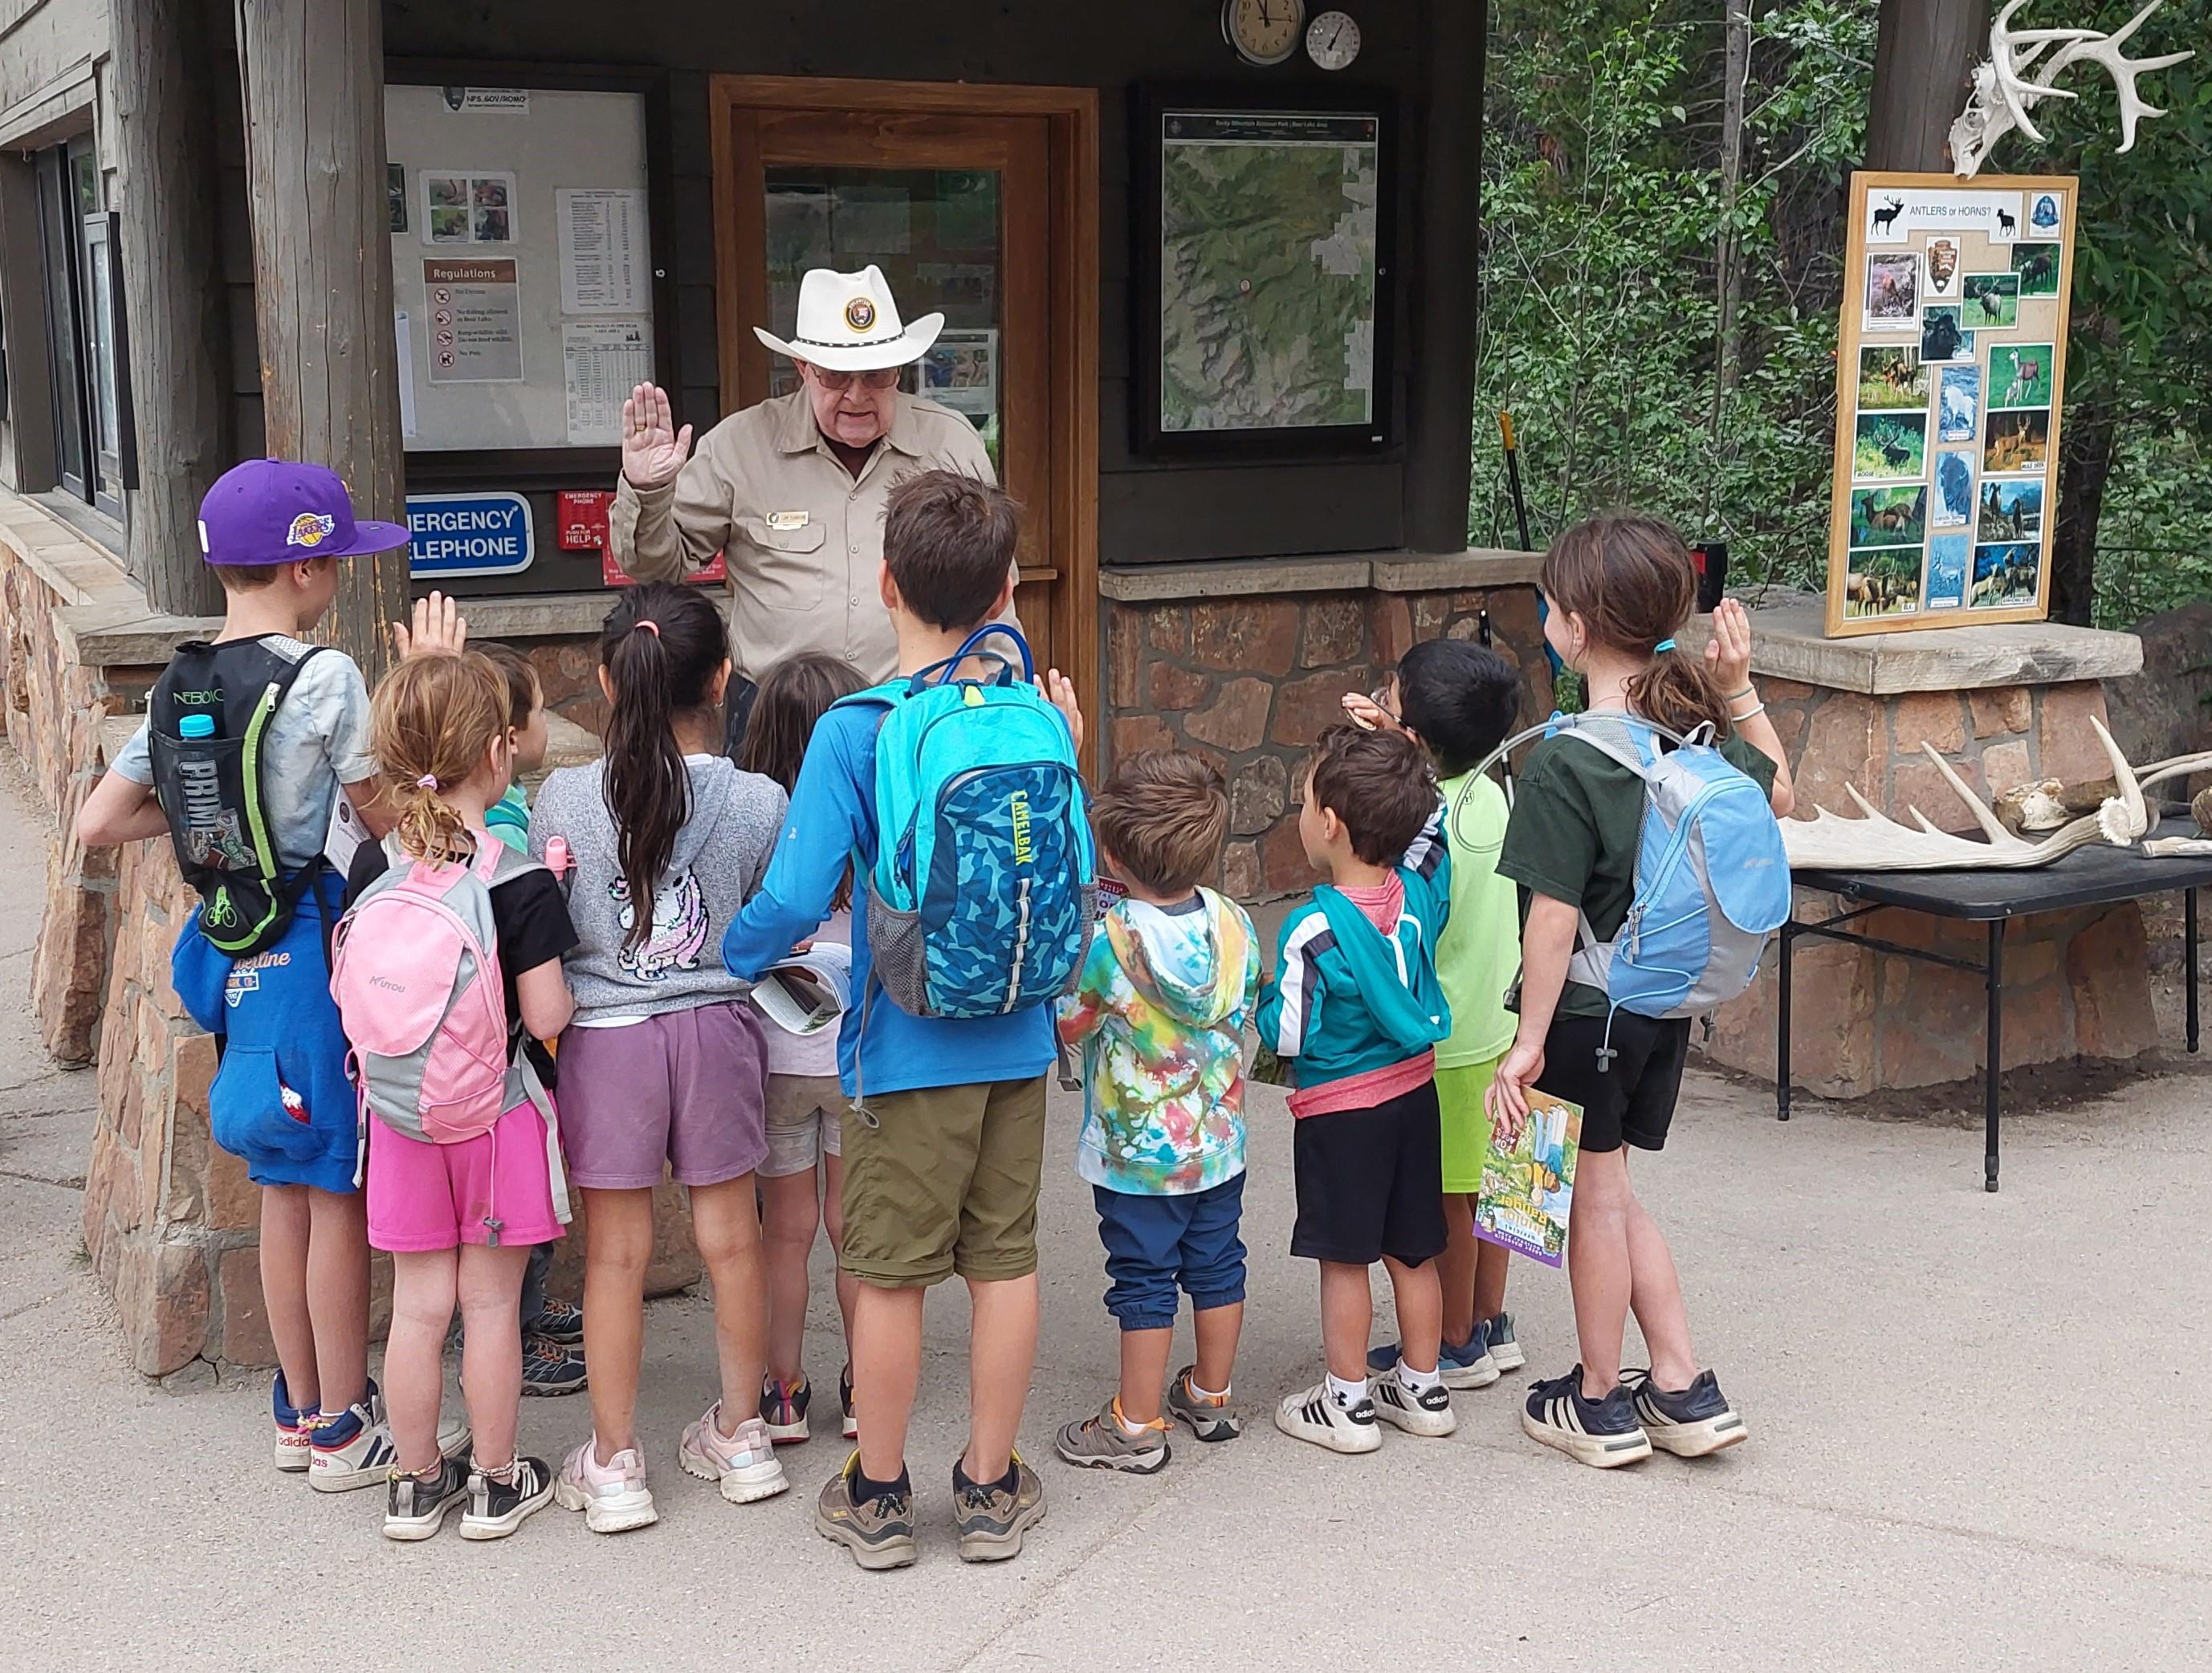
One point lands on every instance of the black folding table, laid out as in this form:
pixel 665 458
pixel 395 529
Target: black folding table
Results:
pixel 2089 877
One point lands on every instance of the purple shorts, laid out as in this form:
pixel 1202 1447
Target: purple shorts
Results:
pixel 687 1089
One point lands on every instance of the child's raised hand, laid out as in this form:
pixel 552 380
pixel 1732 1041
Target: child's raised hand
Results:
pixel 1060 690
pixel 439 629
pixel 1364 712
pixel 1728 652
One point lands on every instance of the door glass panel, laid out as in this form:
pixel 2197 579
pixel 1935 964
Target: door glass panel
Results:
pixel 99 335
pixel 936 235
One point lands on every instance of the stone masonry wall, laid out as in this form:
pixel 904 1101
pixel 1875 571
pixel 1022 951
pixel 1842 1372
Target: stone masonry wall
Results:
pixel 2076 983
pixel 1250 682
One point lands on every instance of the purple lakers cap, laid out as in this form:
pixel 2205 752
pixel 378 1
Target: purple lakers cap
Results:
pixel 266 511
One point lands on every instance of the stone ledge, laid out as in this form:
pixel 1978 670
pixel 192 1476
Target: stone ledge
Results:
pixel 1351 571
pixel 1787 643
pixel 539 616
pixel 79 572
pixel 1477 567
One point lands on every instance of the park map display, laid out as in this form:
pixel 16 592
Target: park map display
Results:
pixel 1950 377
pixel 1267 270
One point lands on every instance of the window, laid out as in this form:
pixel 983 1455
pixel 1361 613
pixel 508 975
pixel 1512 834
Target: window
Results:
pixel 83 282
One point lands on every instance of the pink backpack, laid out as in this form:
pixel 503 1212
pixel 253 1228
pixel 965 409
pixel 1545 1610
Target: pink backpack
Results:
pixel 415 970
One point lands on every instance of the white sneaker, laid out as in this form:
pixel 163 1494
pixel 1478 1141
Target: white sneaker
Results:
pixel 367 1459
pixel 744 1463
pixel 1428 1413
pixel 1315 1415
pixel 613 1496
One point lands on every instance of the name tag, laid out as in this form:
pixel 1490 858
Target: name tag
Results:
pixel 785 520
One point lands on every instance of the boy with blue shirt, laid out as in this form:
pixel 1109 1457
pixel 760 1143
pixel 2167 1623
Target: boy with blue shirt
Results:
pixel 281 1101
pixel 944 1158
pixel 1355 1009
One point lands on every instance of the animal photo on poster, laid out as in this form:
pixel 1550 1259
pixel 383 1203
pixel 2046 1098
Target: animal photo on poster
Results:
pixel 1889 515
pixel 2019 375
pixel 2017 441
pixel 1940 338
pixel 1991 300
pixel 2037 264
pixel 1893 294
pixel 1891 446
pixel 1883 582
pixel 1892 379
pixel 1947 557
pixel 1959 404
pixel 2011 510
pixel 1954 491
pixel 2005 574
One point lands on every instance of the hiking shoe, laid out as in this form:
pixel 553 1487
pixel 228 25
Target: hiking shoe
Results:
pixel 549 1367
pixel 878 1531
pixel 613 1496
pixel 1469 1365
pixel 992 1517
pixel 496 1507
pixel 1690 1424
pixel 1313 1414
pixel 294 1435
pixel 415 1508
pixel 1602 1433
pixel 1428 1413
pixel 745 1463
pixel 1102 1443
pixel 851 1428
pixel 563 1321
pixel 783 1409
pixel 1209 1419
pixel 1505 1352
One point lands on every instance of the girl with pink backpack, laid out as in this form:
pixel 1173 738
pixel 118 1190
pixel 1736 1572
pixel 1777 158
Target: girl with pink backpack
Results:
pixel 447 959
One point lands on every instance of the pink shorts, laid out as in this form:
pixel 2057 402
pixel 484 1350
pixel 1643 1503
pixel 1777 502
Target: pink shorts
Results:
pixel 425 1195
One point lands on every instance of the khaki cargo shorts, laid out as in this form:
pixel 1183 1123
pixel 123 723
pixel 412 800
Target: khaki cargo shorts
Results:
pixel 944 1182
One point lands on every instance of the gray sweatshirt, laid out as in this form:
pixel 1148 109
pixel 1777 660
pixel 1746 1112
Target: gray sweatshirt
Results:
pixel 718 858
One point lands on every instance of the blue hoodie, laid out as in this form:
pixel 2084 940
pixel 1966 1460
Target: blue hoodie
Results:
pixel 832 824
pixel 1348 1000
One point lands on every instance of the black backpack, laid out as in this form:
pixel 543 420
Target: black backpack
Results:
pixel 205 723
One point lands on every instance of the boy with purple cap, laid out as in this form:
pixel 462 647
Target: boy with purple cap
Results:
pixel 248 740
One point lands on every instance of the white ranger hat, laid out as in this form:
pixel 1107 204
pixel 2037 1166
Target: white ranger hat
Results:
pixel 848 323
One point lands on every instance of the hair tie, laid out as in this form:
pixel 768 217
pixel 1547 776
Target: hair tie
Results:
pixel 1663 645
pixel 648 624
pixel 428 781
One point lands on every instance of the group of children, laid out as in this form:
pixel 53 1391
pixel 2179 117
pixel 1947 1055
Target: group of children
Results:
pixel 1408 1001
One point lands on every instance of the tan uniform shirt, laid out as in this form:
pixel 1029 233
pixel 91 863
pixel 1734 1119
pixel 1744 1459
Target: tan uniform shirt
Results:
pixel 804 538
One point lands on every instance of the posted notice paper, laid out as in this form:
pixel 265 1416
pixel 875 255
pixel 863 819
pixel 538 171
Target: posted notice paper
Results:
pixel 602 249
pixel 601 361
pixel 475 320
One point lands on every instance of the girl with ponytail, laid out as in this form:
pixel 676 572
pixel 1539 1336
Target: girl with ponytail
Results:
pixel 663 1066
pixel 1620 589
pixel 461 1218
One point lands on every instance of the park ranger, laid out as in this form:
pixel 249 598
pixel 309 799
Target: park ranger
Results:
pixel 793 490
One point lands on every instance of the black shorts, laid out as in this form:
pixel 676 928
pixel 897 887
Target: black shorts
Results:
pixel 1370 1183
pixel 1632 1101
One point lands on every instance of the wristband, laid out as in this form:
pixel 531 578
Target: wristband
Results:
pixel 1738 696
pixel 1750 713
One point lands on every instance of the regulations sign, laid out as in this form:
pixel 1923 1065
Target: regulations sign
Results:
pixel 468 534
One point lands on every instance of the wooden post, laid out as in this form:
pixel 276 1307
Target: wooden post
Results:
pixel 172 293
pixel 1924 52
pixel 313 71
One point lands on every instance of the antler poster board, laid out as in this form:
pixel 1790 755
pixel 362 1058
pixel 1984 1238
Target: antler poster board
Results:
pixel 1950 368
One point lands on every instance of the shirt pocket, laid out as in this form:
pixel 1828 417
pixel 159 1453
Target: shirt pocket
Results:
pixel 786 566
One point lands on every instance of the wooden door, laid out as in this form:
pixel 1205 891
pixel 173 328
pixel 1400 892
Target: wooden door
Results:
pixel 976 202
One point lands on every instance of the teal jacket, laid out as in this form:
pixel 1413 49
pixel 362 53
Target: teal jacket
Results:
pixel 1344 998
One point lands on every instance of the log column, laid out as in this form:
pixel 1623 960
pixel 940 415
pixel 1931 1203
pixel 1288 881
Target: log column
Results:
pixel 1925 54
pixel 312 72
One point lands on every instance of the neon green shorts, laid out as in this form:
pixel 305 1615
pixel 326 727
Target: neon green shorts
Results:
pixel 1465 1123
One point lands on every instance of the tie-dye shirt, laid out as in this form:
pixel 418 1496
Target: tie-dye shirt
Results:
pixel 1160 1012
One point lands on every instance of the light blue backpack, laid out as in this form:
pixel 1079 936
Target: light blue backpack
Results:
pixel 1712 883
pixel 984 881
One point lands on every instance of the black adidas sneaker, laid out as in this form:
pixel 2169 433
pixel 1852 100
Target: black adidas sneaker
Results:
pixel 415 1508
pixel 496 1508
pixel 1315 1414
pixel 1690 1424
pixel 1602 1434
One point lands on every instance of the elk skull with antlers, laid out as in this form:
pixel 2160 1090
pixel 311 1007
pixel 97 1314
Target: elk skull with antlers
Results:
pixel 2004 92
pixel 1829 842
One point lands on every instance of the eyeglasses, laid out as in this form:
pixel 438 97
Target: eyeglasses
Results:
pixel 838 382
pixel 1385 698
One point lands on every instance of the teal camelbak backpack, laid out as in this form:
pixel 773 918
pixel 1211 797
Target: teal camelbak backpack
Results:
pixel 985 883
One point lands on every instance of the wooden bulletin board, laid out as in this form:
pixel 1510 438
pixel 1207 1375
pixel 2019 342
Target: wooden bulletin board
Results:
pixel 1950 371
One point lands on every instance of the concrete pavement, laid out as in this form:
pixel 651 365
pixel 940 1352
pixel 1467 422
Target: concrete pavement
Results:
pixel 1973 1420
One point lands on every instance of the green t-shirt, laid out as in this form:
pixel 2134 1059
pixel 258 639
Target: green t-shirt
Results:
pixel 1578 817
pixel 1480 947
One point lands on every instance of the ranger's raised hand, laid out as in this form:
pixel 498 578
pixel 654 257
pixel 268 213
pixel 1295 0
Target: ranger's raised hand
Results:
pixel 653 449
